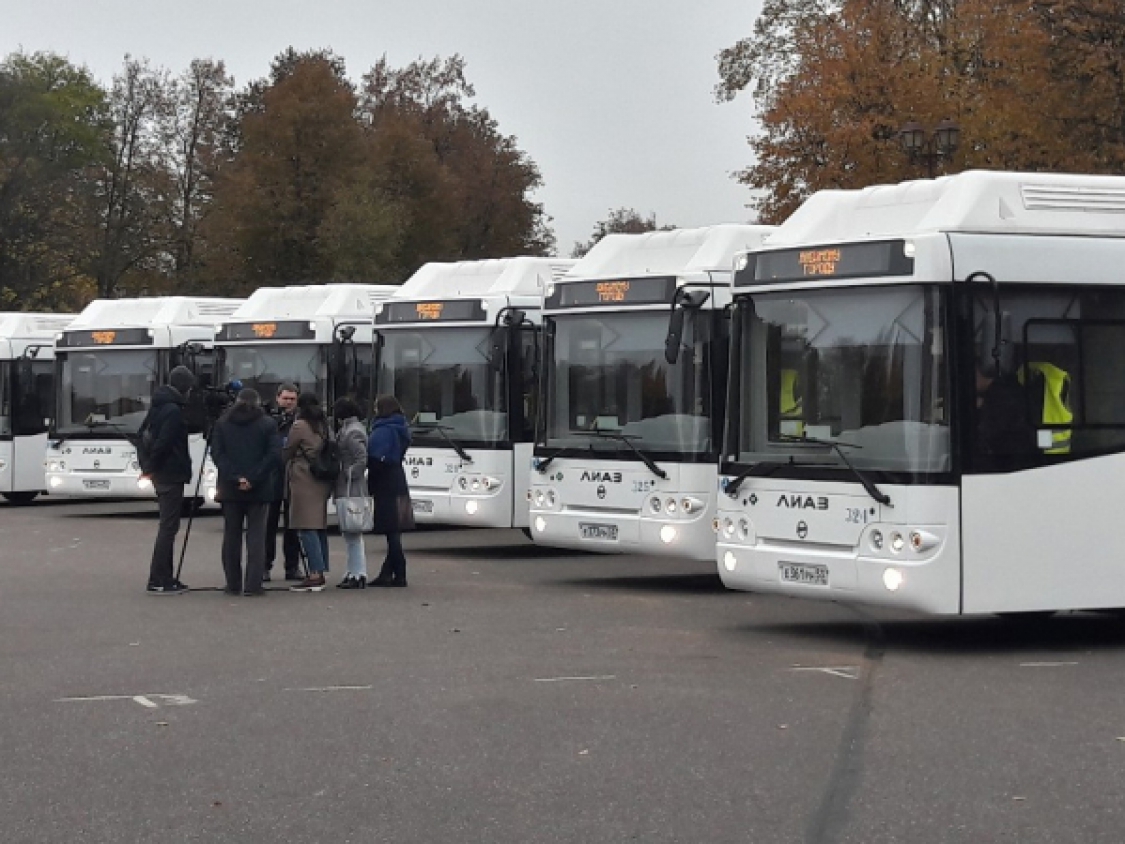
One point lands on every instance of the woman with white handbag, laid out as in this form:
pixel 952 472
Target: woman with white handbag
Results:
pixel 355 510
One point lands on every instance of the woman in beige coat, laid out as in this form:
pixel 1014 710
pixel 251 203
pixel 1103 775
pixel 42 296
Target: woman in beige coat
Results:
pixel 308 496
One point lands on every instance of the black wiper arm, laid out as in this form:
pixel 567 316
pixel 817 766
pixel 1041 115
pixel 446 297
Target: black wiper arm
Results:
pixel 441 429
pixel 868 485
pixel 625 438
pixel 765 467
pixel 540 464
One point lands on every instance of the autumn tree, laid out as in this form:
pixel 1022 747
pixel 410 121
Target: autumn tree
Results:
pixel 53 126
pixel 619 221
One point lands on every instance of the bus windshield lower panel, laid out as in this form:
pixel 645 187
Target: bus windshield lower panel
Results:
pixel 107 390
pixel 266 367
pixel 863 368
pixel 609 375
pixel 445 383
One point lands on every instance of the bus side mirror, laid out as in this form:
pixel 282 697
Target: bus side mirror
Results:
pixel 685 300
pixel 497 347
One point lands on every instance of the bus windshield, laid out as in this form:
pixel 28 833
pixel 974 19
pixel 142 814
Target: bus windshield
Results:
pixel 443 378
pixel 609 374
pixel 862 367
pixel 108 389
pixel 266 367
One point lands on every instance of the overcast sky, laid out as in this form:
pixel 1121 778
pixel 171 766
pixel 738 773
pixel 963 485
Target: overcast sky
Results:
pixel 611 98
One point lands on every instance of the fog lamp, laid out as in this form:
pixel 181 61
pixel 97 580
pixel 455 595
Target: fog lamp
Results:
pixel 729 561
pixel 667 534
pixel 540 524
pixel 56 482
pixel 471 507
pixel 144 483
pixel 892 579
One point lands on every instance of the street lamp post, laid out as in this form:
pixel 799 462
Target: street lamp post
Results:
pixel 930 147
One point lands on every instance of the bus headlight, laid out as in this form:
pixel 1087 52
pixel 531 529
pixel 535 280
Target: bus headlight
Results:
pixel 667 534
pixel 671 506
pixel 715 524
pixel 552 499
pixel 134 466
pixel 728 528
pixel 490 483
pixel 144 483
pixel 463 482
pixel 691 505
pixel 743 528
pixel 877 540
pixel 56 482
pixel 540 497
pixel 892 579
pixel 212 494
pixel 921 541
pixel 475 484
pixel 655 505
pixel 897 542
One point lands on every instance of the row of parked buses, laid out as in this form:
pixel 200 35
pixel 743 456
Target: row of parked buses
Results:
pixel 910 395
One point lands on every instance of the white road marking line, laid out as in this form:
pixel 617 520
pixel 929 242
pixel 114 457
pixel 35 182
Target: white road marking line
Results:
pixel 144 701
pixel 574 679
pixel 149 701
pixel 1045 664
pixel 333 689
pixel 847 672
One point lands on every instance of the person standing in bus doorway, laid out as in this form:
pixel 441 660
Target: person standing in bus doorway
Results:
pixel 246 448
pixel 351 437
pixel 386 448
pixel 308 495
pixel 285 413
pixel 165 459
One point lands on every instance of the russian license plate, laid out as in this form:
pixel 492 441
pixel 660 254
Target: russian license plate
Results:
pixel 96 484
pixel 595 531
pixel 805 574
pixel 422 505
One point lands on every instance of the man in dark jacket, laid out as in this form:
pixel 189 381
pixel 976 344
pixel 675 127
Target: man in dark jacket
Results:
pixel 285 414
pixel 167 462
pixel 246 448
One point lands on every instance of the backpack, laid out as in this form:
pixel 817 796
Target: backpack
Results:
pixel 325 464
pixel 144 443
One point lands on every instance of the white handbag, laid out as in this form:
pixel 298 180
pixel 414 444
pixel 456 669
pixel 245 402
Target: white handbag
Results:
pixel 355 513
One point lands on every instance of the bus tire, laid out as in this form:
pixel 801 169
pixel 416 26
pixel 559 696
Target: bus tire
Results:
pixel 1033 615
pixel 19 499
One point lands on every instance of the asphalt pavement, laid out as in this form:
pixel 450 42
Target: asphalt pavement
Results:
pixel 520 694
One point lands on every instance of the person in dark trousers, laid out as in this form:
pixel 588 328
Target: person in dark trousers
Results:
pixel 168 465
pixel 285 403
pixel 246 448
pixel 386 481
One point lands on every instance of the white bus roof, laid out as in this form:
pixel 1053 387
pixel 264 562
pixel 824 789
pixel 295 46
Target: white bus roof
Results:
pixel 311 301
pixel 154 310
pixel 675 252
pixel 32 326
pixel 524 276
pixel 978 201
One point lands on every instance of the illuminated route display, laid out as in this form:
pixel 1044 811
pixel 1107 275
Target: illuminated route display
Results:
pixel 657 290
pixel 454 310
pixel 849 260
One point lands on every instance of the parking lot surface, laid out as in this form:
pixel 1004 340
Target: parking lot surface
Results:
pixel 519 694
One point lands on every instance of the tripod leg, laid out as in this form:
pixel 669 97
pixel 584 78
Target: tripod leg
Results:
pixel 191 513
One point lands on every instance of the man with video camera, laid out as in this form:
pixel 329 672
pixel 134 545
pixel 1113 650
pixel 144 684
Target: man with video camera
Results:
pixel 284 413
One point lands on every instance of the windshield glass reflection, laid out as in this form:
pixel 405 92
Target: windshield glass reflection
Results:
pixel 110 388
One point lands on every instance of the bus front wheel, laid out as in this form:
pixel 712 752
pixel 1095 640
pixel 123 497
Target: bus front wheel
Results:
pixel 18 499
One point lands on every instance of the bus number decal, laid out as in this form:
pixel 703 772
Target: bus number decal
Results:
pixel 643 486
pixel 856 515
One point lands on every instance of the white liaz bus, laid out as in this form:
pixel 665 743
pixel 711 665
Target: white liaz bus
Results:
pixel 927 404
pixel 27 400
pixel 108 362
pixel 635 379
pixel 459 347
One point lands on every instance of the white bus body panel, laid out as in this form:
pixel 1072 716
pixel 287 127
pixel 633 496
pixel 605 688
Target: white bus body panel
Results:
pixel 23 464
pixel 1022 549
pixel 617 494
pixel 107 469
pixel 433 475
pixel 831 524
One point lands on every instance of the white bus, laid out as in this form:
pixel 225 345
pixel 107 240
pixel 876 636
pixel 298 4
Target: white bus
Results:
pixel 27 400
pixel 109 361
pixel 635 379
pixel 928 398
pixel 459 346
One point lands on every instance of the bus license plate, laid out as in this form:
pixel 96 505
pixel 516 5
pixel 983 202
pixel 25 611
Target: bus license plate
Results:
pixel 421 505
pixel 805 574
pixel 96 484
pixel 592 531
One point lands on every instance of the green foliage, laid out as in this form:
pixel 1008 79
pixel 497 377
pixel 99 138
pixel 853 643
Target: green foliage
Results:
pixel 619 221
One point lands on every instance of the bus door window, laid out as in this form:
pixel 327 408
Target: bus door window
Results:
pixel 529 378
pixel 32 396
pixel 6 399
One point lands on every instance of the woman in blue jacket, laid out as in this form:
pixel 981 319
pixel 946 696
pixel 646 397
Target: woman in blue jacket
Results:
pixel 386 481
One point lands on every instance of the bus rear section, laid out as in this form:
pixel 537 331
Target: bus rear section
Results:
pixel 634 384
pixel 459 347
pixel 931 414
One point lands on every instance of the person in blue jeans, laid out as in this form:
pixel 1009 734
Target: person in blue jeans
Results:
pixel 308 495
pixel 386 481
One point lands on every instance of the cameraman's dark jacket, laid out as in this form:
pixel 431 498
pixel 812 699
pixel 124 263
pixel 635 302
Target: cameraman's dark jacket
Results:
pixel 168 461
pixel 246 444
pixel 284 420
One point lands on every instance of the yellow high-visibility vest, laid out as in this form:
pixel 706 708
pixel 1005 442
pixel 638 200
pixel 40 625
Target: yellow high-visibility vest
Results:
pixel 792 406
pixel 1056 403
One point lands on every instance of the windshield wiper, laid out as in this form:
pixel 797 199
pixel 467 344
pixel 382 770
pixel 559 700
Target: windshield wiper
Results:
pixel 628 440
pixel 872 490
pixel 441 429
pixel 540 464
pixel 765 467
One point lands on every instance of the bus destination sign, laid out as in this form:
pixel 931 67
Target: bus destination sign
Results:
pixel 281 330
pixel 106 337
pixel 848 260
pixel 452 310
pixel 657 290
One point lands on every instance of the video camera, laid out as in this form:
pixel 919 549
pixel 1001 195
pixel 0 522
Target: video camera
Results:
pixel 215 400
